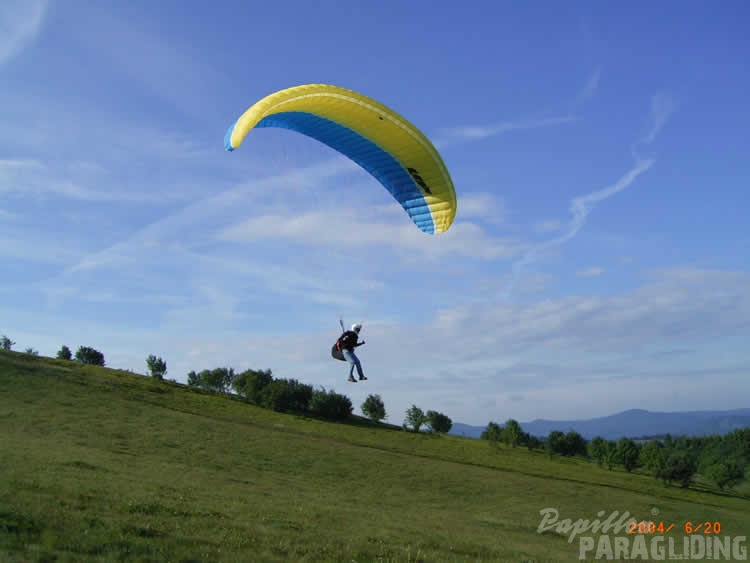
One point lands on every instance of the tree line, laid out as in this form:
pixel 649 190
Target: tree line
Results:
pixel 720 459
pixel 260 388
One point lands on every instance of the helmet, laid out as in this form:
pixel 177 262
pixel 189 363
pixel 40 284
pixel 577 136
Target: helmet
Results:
pixel 356 327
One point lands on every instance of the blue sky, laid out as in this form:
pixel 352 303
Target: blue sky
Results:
pixel 598 261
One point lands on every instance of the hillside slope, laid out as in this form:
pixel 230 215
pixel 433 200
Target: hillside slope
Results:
pixel 101 465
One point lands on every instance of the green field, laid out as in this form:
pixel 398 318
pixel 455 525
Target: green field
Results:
pixel 103 465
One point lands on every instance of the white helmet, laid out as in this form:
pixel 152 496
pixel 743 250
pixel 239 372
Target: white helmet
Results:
pixel 356 327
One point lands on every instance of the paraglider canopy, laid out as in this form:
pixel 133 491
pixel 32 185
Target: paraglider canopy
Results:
pixel 378 139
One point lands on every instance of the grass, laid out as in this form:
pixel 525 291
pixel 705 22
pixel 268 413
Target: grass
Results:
pixel 103 465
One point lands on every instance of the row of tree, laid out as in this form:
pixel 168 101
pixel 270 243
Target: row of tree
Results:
pixel 261 389
pixel 289 395
pixel 84 354
pixel 285 395
pixel 435 421
pixel 722 460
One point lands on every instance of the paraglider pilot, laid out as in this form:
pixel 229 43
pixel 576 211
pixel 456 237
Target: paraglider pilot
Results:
pixel 347 343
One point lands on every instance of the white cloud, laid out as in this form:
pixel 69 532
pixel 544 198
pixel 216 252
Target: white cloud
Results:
pixel 482 205
pixel 336 230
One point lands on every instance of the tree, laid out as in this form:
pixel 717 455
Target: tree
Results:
pixel 627 453
pixel 217 380
pixel 415 418
pixel 598 450
pixel 532 442
pixel 438 422
pixel 88 355
pixel 374 408
pixel 726 473
pixel 569 444
pixel 31 351
pixel 555 443
pixel 250 384
pixel 512 433
pixel 64 353
pixel 493 432
pixel 194 380
pixel 652 456
pixel 679 467
pixel 6 343
pixel 610 455
pixel 156 367
pixel 574 444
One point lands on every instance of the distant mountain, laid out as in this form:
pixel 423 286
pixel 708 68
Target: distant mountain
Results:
pixel 634 423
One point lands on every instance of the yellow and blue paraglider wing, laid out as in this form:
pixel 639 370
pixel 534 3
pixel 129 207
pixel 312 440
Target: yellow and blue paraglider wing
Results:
pixel 378 139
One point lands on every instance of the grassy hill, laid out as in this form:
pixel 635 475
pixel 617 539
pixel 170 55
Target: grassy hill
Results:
pixel 103 465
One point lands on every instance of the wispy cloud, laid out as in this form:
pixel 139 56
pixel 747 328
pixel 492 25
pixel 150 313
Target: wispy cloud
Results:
pixel 549 226
pixel 589 88
pixel 662 107
pixel 171 71
pixel 448 137
pixel 335 230
pixel 33 248
pixel 34 178
pixel 485 206
pixel 581 206
pixel 299 182
pixel 197 213
pixel 20 23
pixel 458 134
pixel 583 341
pixel 592 272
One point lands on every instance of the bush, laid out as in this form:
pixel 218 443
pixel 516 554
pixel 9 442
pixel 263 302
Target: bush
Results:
pixel 330 404
pixel 286 395
pixel 87 355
